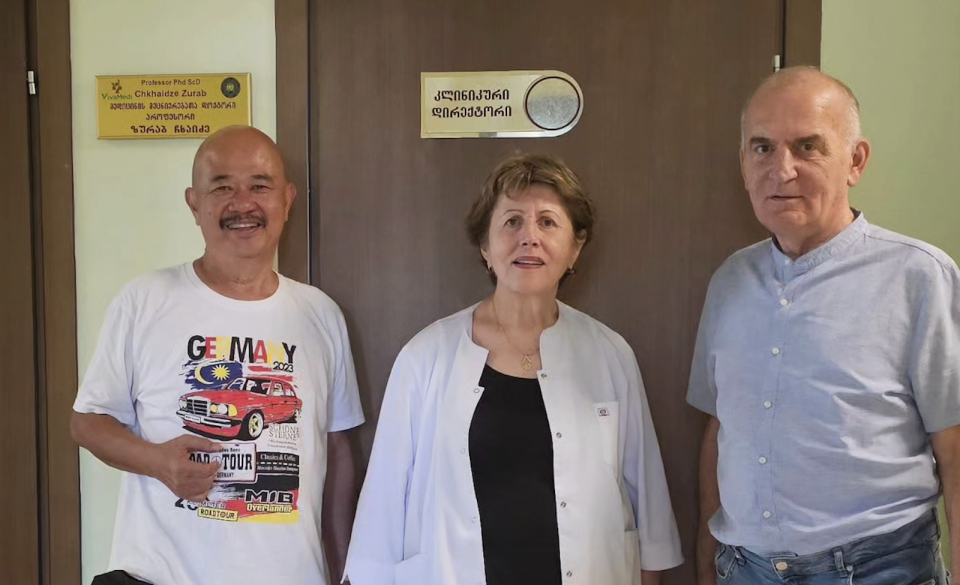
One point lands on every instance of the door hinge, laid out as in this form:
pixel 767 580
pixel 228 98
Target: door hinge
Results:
pixel 31 83
pixel 776 63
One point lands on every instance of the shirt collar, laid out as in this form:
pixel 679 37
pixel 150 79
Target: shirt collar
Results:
pixel 787 268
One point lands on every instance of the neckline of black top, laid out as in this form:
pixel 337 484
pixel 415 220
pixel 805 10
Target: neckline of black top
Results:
pixel 489 372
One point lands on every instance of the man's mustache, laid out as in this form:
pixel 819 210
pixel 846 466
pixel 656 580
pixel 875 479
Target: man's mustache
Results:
pixel 235 218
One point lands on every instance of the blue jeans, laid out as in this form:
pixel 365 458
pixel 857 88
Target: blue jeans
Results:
pixel 909 555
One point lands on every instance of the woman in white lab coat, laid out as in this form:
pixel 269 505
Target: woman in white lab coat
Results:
pixel 515 444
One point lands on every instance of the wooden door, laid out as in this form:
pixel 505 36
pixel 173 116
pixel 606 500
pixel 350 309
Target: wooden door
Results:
pixel 657 146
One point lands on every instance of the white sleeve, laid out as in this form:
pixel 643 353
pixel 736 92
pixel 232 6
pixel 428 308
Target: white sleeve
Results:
pixel 343 402
pixel 376 545
pixel 645 480
pixel 108 384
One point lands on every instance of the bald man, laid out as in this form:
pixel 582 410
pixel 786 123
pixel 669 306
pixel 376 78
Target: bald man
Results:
pixel 828 359
pixel 223 390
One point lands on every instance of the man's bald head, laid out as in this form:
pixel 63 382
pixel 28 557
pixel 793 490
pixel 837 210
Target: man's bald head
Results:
pixel 231 140
pixel 804 78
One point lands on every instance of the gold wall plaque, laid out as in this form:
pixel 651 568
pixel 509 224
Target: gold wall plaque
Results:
pixel 171 106
pixel 498 104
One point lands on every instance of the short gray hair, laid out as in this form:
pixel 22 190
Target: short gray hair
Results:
pixel 791 75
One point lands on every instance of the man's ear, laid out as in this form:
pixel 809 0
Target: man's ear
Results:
pixel 192 199
pixel 289 193
pixel 861 154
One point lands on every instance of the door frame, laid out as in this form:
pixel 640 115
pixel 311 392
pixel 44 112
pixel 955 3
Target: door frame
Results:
pixel 19 562
pixel 55 287
pixel 802 24
pixel 293 131
pixel 52 288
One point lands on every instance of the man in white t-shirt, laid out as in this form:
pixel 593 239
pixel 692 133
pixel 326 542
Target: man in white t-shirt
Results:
pixel 223 390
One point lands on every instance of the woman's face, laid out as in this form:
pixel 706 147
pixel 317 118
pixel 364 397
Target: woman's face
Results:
pixel 531 243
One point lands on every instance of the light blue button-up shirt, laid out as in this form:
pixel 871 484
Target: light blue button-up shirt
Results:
pixel 827 375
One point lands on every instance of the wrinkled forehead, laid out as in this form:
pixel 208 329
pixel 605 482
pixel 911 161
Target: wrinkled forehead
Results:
pixel 238 161
pixel 795 111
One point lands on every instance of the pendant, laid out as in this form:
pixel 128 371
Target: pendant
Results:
pixel 526 364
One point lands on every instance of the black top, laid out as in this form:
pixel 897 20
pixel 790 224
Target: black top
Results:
pixel 511 454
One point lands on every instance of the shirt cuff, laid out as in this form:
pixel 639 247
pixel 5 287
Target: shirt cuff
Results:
pixel 347 423
pixel 703 404
pixel 121 416
pixel 659 556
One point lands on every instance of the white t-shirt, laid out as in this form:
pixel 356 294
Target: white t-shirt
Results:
pixel 267 380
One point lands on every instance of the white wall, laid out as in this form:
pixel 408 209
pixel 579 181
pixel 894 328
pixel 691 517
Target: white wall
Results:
pixel 130 215
pixel 900 58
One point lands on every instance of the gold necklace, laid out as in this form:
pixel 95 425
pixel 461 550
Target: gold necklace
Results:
pixel 527 362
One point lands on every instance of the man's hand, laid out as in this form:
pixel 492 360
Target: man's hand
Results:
pixel 171 464
pixel 706 565
pixel 946 450
pixel 339 502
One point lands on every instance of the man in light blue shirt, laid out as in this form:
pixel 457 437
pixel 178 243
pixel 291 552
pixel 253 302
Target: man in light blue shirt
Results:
pixel 828 359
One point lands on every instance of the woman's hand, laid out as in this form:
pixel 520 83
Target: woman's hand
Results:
pixel 650 577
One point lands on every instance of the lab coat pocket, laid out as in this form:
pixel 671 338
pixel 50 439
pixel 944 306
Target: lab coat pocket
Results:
pixel 631 551
pixel 608 419
pixel 410 571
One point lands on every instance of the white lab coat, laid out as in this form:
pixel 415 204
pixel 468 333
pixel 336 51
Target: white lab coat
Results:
pixel 418 521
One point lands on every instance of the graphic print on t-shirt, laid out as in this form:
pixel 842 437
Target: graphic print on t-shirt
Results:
pixel 242 393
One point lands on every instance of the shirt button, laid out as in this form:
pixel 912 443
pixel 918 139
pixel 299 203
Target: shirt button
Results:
pixel 767 514
pixel 782 566
pixel 763 461
pixel 477 390
pixel 786 261
pixel 767 404
pixel 784 302
pixel 569 573
pixel 559 435
pixel 563 504
pixel 543 375
pixel 776 351
pixel 463 451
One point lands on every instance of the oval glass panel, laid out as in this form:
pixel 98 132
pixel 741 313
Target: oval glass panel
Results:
pixel 552 103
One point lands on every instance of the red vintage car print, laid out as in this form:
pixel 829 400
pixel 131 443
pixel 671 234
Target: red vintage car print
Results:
pixel 242 409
